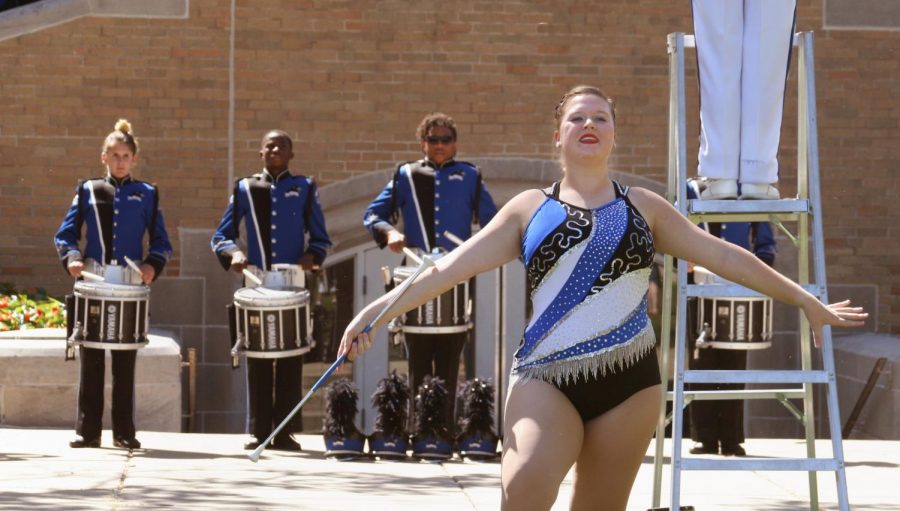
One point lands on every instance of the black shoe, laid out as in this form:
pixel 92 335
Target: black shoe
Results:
pixel 704 448
pixel 80 442
pixel 126 443
pixel 733 450
pixel 252 444
pixel 285 444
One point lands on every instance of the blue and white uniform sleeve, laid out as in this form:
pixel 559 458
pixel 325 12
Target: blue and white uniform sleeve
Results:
pixel 486 207
pixel 319 243
pixel 160 247
pixel 224 240
pixel 379 214
pixel 69 233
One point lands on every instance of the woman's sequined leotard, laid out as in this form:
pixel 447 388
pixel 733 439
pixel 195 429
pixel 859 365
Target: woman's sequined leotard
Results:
pixel 589 274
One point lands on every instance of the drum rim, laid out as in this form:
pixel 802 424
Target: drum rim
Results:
pixel 444 329
pixel 94 290
pixel 297 296
pixel 116 346
pixel 295 352
pixel 739 345
pixel 753 299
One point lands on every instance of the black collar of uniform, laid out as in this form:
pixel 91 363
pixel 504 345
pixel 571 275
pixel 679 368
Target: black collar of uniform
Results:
pixel 118 182
pixel 429 163
pixel 286 173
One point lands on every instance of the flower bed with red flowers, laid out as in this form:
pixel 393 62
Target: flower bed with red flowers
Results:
pixel 31 308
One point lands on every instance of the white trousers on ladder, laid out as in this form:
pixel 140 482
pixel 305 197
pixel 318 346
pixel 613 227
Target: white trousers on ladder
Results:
pixel 743 51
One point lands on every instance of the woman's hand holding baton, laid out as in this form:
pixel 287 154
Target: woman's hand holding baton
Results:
pixel 423 263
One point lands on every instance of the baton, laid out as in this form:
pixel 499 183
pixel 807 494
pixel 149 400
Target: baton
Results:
pixel 424 263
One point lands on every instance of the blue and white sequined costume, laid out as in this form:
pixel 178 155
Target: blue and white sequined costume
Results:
pixel 589 274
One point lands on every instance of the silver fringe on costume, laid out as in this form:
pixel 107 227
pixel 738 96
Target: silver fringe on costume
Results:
pixel 589 365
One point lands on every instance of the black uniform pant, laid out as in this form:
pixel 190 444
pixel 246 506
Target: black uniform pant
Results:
pixel 718 421
pixel 436 355
pixel 274 389
pixel 90 393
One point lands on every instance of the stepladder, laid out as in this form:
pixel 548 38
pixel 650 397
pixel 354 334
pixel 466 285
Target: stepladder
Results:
pixel 800 219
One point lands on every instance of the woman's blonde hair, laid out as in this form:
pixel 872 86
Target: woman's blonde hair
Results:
pixel 579 90
pixel 122 134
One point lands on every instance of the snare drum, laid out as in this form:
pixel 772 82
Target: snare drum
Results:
pixel 272 323
pixel 111 316
pixel 113 273
pixel 446 314
pixel 731 323
pixel 280 276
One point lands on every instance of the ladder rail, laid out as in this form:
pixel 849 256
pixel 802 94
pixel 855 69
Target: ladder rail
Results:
pixel 677 161
pixel 667 287
pixel 681 282
pixel 803 255
pixel 815 193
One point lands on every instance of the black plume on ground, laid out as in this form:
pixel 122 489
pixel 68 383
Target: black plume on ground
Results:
pixel 431 402
pixel 341 397
pixel 391 399
pixel 478 406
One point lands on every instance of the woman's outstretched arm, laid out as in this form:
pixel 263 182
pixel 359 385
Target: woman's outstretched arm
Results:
pixel 496 244
pixel 675 235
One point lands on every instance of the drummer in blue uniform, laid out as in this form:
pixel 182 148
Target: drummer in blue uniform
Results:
pixel 117 211
pixel 432 195
pixel 279 210
pixel 718 426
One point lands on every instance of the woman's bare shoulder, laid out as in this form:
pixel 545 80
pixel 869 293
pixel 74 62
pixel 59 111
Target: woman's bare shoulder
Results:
pixel 526 202
pixel 650 204
pixel 521 207
pixel 530 196
pixel 646 198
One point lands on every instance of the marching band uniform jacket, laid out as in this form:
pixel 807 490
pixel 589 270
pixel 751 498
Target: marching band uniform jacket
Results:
pixel 278 212
pixel 117 214
pixel 431 199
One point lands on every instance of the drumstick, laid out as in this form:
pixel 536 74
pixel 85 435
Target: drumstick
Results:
pixel 454 238
pixel 133 266
pixel 92 276
pixel 425 262
pixel 412 255
pixel 388 280
pixel 249 274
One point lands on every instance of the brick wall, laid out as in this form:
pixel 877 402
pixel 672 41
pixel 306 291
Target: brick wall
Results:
pixel 350 81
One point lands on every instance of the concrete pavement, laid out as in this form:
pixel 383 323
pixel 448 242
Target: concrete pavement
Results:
pixel 38 471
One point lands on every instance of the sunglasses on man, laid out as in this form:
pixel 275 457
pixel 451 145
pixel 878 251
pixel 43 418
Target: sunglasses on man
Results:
pixel 434 139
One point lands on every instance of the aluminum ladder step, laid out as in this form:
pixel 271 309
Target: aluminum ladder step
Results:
pixel 762 464
pixel 737 291
pixel 719 395
pixel 784 210
pixel 780 206
pixel 759 376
